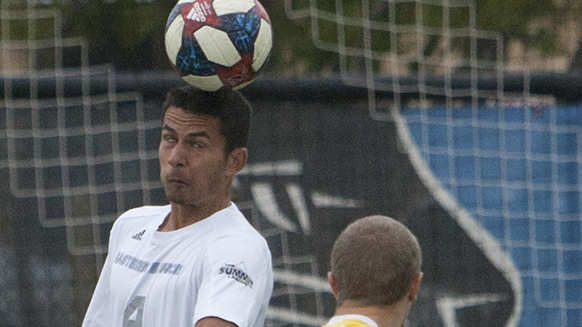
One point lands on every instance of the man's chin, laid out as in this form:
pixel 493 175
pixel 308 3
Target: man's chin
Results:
pixel 177 198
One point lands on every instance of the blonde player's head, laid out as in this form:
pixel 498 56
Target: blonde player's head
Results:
pixel 375 262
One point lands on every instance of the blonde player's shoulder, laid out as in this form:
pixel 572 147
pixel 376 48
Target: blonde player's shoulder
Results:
pixel 351 321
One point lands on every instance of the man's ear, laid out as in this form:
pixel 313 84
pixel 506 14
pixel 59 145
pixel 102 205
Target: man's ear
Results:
pixel 332 283
pixel 415 287
pixel 236 160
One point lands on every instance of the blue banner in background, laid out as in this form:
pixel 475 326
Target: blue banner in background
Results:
pixel 517 172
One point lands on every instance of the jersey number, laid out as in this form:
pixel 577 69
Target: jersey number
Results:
pixel 133 314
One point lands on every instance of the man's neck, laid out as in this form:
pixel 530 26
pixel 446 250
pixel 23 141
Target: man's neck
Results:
pixel 384 316
pixel 182 216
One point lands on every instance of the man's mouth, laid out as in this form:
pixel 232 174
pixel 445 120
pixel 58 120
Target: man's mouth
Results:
pixel 175 180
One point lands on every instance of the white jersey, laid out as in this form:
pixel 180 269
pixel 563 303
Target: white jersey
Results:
pixel 217 267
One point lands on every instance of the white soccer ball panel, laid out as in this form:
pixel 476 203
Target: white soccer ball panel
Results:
pixel 263 45
pixel 173 38
pixel 223 7
pixel 217 46
pixel 206 83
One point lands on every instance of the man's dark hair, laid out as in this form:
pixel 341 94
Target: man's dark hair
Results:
pixel 230 106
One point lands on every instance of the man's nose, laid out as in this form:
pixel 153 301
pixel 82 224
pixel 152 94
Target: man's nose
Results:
pixel 178 157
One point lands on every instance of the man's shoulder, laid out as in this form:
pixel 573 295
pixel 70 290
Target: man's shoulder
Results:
pixel 231 223
pixel 142 214
pixel 241 228
pixel 349 323
pixel 233 233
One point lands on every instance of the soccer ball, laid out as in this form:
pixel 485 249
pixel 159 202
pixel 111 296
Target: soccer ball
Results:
pixel 216 44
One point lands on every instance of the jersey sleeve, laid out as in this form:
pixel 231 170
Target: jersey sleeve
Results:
pixel 100 302
pixel 237 282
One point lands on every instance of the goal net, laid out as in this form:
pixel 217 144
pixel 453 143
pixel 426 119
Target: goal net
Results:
pixel 76 155
pixel 78 152
pixel 504 165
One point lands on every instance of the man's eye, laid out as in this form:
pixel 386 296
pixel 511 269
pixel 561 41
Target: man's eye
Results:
pixel 195 144
pixel 169 138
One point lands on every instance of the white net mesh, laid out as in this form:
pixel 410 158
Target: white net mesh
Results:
pixel 516 172
pixel 505 165
pixel 425 48
pixel 299 290
pixel 57 143
pixel 84 153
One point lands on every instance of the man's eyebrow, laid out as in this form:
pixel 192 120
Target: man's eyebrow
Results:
pixel 168 128
pixel 192 135
pixel 198 134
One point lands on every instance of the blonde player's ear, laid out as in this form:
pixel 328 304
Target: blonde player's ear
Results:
pixel 236 160
pixel 332 282
pixel 415 287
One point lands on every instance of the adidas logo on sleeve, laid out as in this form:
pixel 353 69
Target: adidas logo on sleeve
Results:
pixel 138 236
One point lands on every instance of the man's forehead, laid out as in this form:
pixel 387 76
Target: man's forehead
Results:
pixel 176 117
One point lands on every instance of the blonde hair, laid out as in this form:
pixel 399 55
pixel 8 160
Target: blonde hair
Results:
pixel 374 261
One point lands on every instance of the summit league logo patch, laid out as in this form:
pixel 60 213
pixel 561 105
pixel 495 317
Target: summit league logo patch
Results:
pixel 237 273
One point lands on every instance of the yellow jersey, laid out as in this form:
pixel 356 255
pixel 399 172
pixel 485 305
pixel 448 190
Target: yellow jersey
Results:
pixel 351 321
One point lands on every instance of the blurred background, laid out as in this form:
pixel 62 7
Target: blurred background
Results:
pixel 462 119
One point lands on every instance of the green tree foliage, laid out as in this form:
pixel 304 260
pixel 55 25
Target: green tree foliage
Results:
pixel 125 32
pixel 129 33
pixel 293 50
pixel 532 22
